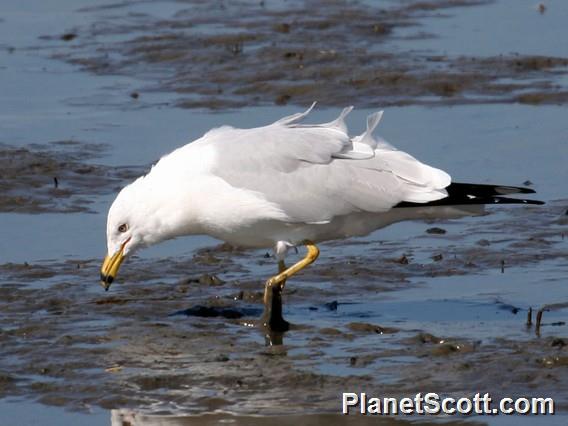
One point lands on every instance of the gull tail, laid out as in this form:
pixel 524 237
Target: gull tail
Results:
pixel 460 194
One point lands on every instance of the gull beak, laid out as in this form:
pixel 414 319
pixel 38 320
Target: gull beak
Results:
pixel 110 267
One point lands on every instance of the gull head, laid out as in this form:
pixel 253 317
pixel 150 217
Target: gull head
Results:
pixel 134 221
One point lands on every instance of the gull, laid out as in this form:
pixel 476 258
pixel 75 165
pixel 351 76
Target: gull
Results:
pixel 285 185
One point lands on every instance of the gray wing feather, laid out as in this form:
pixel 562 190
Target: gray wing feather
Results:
pixel 316 172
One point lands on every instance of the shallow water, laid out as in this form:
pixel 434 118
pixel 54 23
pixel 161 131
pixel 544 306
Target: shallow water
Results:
pixel 518 27
pixel 69 345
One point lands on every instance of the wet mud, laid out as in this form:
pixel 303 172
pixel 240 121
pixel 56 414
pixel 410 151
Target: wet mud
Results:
pixel 237 54
pixel 57 177
pixel 182 335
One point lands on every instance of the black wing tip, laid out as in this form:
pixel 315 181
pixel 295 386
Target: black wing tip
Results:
pixel 471 201
pixel 477 193
pixel 488 189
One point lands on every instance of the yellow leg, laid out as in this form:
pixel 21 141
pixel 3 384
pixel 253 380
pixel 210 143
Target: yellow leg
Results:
pixel 285 273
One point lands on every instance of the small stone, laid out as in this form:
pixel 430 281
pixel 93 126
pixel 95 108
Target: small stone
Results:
pixel 282 28
pixel 436 230
pixel 221 358
pixel 403 260
pixel 68 36
pixel 332 306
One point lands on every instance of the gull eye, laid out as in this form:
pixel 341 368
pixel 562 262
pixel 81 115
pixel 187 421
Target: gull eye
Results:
pixel 123 228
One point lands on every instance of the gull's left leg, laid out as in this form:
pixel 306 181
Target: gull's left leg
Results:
pixel 272 317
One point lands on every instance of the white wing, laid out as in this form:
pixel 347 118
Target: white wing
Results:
pixel 316 172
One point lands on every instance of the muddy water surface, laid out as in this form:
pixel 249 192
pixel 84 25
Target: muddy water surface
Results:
pixel 408 309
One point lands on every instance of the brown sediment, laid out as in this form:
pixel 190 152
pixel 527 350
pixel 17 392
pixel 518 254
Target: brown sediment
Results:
pixel 260 55
pixel 362 327
pixel 27 177
pixel 147 342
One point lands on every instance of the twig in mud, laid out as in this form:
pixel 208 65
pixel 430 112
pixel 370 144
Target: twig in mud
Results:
pixel 551 307
pixel 538 321
pixel 529 317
